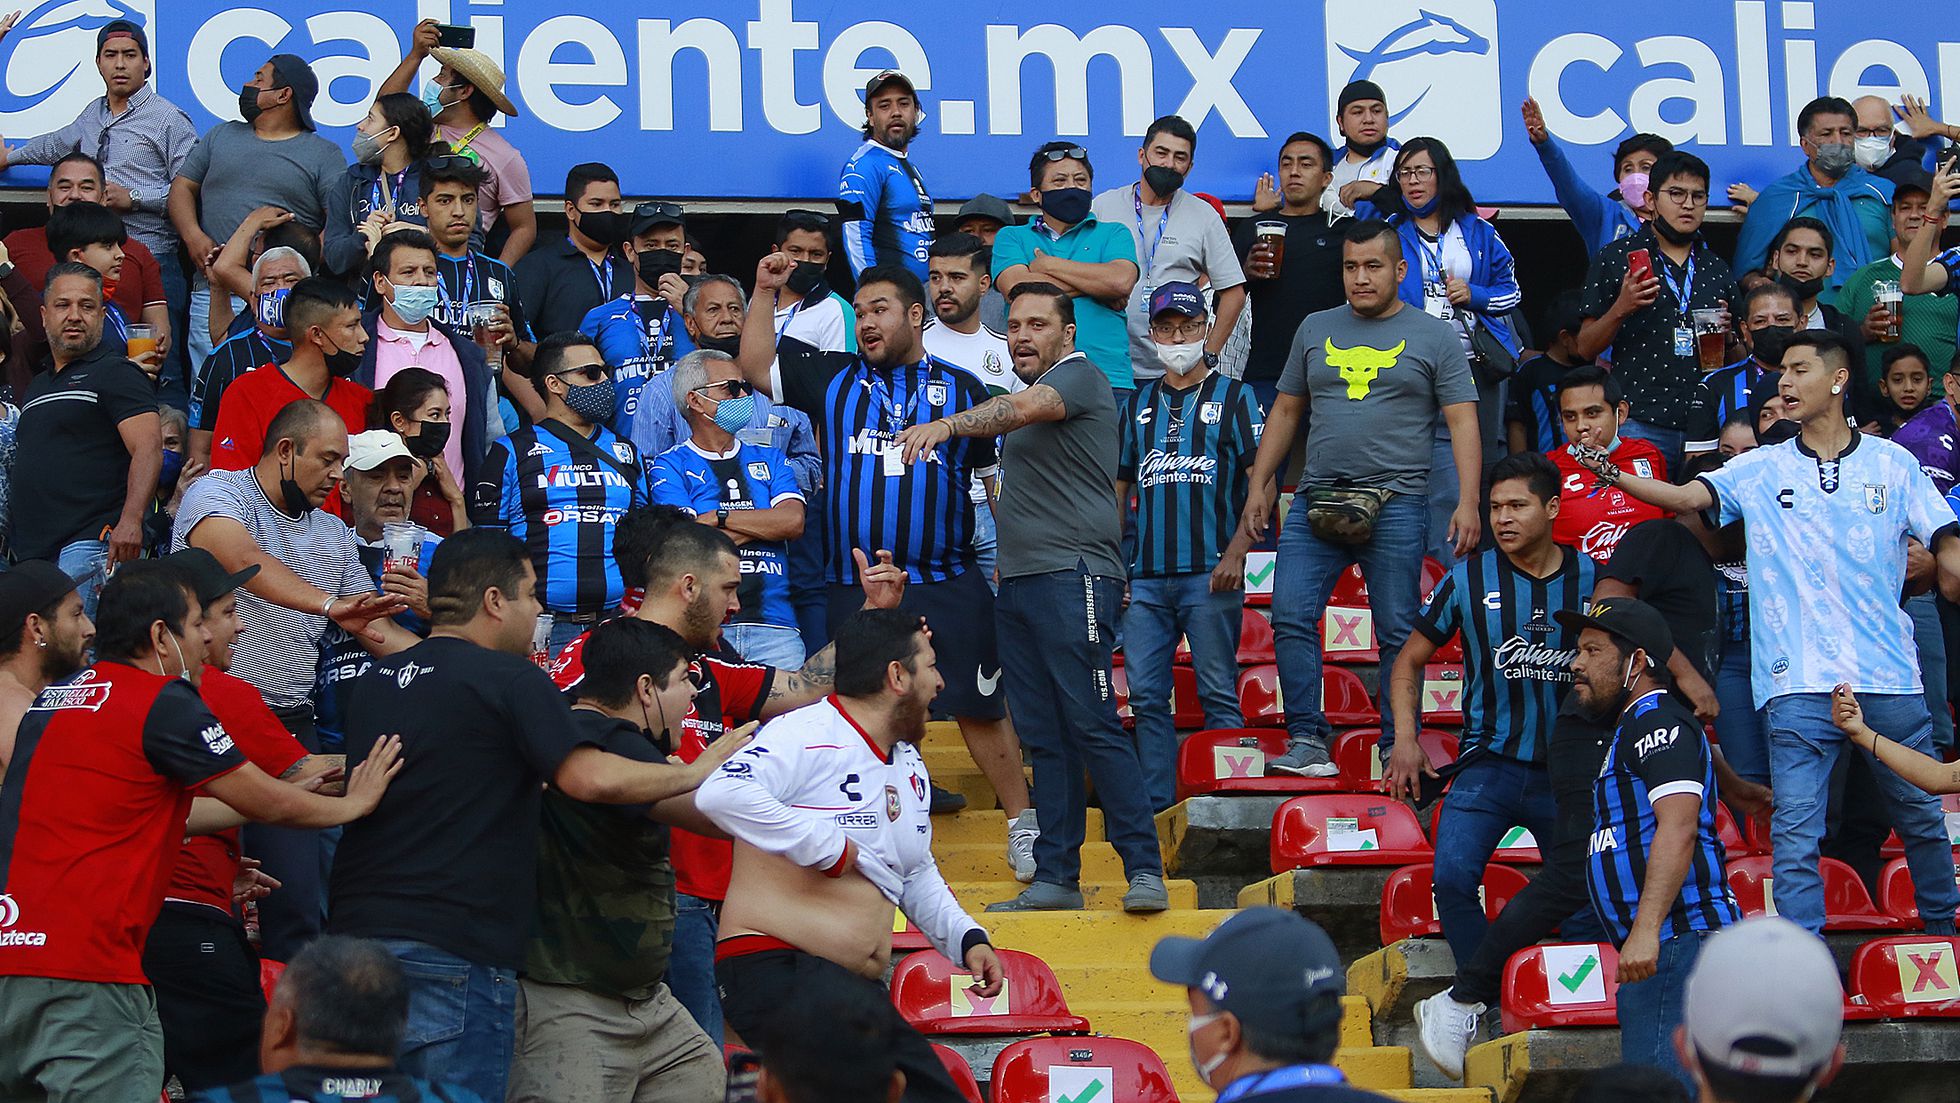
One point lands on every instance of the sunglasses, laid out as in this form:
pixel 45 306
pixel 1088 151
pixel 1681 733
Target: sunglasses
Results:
pixel 1071 153
pixel 591 373
pixel 665 212
pixel 736 387
pixel 465 161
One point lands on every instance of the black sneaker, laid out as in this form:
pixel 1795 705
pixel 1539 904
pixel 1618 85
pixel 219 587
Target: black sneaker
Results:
pixel 945 802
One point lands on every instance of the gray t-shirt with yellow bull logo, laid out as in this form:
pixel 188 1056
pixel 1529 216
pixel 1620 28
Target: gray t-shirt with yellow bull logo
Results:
pixel 1375 388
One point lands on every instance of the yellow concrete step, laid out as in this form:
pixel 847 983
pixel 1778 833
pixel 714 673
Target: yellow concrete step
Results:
pixel 987 861
pixel 1093 937
pixel 942 733
pixel 974 786
pixel 1160 1018
pixel 1441 1095
pixel 1096 896
pixel 990 826
pixel 1378 1068
pixel 948 757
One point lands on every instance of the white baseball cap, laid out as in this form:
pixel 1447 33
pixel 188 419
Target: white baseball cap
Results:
pixel 1765 984
pixel 369 450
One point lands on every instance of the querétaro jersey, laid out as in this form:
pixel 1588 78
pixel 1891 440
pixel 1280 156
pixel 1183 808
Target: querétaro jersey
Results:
pixel 1594 517
pixel 234 356
pixel 1187 452
pixel 750 476
pixel 1658 750
pixel 1724 393
pixel 1517 659
pixel 886 211
pixel 92 815
pixel 476 278
pixel 562 494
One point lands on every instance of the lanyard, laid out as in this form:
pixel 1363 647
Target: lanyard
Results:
pixel 1292 1076
pixel 659 335
pixel 895 414
pixel 464 143
pixel 602 275
pixel 787 319
pixel 1163 223
pixel 381 194
pixel 1682 292
pixel 1432 257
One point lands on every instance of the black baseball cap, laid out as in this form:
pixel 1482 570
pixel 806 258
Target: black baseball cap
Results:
pixel 657 212
pixel 1913 179
pixel 1627 619
pixel 294 73
pixel 206 575
pixel 1274 969
pixel 123 28
pixel 31 586
pixel 872 86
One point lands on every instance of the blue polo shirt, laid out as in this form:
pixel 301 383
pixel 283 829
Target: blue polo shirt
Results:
pixel 1101 334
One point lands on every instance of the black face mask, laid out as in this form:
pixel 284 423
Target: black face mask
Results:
pixel 1070 205
pixel 608 228
pixel 340 362
pixel 1368 150
pixel 730 345
pixel 655 263
pixel 1163 180
pixel 806 277
pixel 1769 342
pixel 1671 235
pixel 292 499
pixel 1804 290
pixel 248 104
pixel 430 442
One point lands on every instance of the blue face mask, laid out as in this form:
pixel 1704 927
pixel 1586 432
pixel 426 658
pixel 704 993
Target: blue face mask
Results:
pixel 272 308
pixel 414 304
pixel 173 467
pixel 732 414
pixel 432 97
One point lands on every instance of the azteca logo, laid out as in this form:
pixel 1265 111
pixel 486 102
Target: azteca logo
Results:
pixel 10 915
pixel 1435 60
pixel 9 911
pixel 49 61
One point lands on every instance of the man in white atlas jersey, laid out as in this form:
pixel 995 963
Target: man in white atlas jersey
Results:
pixel 829 810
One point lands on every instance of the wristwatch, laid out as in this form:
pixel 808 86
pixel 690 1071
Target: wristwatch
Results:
pixel 1211 360
pixel 721 517
pixel 135 199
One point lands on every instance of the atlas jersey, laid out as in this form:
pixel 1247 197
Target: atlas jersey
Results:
pixel 1593 518
pixel 728 694
pixel 562 501
pixel 1517 659
pixel 813 780
pixel 1658 750
pixel 886 210
pixel 1187 453
pixel 91 818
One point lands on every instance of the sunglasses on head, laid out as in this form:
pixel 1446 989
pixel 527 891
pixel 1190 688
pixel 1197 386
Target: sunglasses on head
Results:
pixel 664 211
pixel 453 162
pixel 1070 153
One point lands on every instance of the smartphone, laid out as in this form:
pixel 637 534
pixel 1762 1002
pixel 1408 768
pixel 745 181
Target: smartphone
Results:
pixel 452 37
pixel 1641 263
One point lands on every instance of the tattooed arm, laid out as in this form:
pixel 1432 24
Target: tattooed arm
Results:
pixel 332 766
pixel 997 415
pixel 884 587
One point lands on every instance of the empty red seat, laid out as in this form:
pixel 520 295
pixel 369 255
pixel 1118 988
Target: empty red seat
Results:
pixel 1847 906
pixel 1895 895
pixel 1041 1070
pixel 1442 693
pixel 1259 696
pixel 1907 976
pixel 1255 638
pixel 1561 984
pixel 1331 829
pixel 1345 699
pixel 1409 900
pixel 935 996
pixel 1347 628
pixel 1361 769
pixel 1233 760
pixel 960 1071
pixel 1734 843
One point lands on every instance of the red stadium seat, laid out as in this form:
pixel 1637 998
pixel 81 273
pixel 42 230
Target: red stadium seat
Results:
pixel 269 973
pixel 1847 906
pixel 1350 588
pixel 1442 693
pixel 1233 760
pixel 1259 696
pixel 1345 700
pixel 1560 985
pixel 1361 767
pixel 1908 976
pixel 1259 571
pixel 933 995
pixel 1119 684
pixel 905 937
pixel 1730 832
pixel 1037 1070
pixel 1409 900
pixel 1432 576
pixel 1347 628
pixel 1895 893
pixel 1333 829
pixel 1186 710
pixel 1521 851
pixel 1255 638
pixel 960 1071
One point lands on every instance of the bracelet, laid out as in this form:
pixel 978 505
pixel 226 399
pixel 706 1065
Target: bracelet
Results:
pixel 327 609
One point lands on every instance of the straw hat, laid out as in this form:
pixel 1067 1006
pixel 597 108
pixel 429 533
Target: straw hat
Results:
pixel 476 67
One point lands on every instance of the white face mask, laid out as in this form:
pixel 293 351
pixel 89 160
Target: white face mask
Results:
pixel 1210 1065
pixel 1181 359
pixel 1871 152
pixel 183 668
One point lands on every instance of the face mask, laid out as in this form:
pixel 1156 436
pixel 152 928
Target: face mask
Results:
pixel 593 402
pixel 430 442
pixel 732 414
pixel 1671 235
pixel 804 278
pixel 1834 159
pixel 1871 152
pixel 655 263
pixel 608 228
pixel 413 303
pixel 432 97
pixel 367 148
pixel 1769 342
pixel 1162 180
pixel 1804 290
pixel 1181 359
pixel 1422 210
pixel 340 362
pixel 1070 205
pixel 1633 189
pixel 1207 1066
pixel 248 104
pixel 732 346
pixel 173 467
pixel 272 308
pixel 291 497
pixel 1369 150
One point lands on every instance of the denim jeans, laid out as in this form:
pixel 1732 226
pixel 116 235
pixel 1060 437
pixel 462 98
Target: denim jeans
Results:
pixel 564 630
pixel 1488 797
pixel 691 967
pixel 1057 630
pixel 1649 1010
pixel 1741 729
pixel 1161 610
pixel 462 1018
pixel 1304 574
pixel 986 543
pixel 1443 488
pixel 1672 442
pixel 178 371
pixel 768 644
pixel 87 562
pixel 1930 640
pixel 1803 747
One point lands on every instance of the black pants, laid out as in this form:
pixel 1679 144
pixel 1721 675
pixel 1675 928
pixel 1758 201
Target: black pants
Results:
pixel 295 913
pixel 1557 896
pixel 208 998
pixel 754 987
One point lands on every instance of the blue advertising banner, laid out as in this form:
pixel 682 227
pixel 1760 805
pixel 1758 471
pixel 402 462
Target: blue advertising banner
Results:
pixel 762 98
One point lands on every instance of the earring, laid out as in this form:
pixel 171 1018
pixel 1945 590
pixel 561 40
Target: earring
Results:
pixel 1835 389
pixel 40 643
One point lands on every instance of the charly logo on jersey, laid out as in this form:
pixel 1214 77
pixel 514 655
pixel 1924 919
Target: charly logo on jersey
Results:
pixel 49 61
pixel 539 448
pixel 1875 497
pixel 216 739
pixel 83 691
pixel 1435 60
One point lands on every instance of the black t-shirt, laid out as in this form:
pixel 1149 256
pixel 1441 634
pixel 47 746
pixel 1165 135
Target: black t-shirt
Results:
pixel 1309 280
pixel 449 856
pixel 71 469
pixel 1665 562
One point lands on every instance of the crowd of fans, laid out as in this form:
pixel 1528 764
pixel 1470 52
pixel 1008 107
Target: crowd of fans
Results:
pixel 323 457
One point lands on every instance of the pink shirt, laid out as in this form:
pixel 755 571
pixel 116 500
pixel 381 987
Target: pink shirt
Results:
pixel 395 350
pixel 509 178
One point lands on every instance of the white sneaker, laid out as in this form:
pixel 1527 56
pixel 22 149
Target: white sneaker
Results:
pixel 1444 1030
pixel 1021 834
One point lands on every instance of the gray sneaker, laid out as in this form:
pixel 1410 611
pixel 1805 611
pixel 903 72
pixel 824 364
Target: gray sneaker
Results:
pixel 1303 758
pixel 1041 897
pixel 1022 831
pixel 1147 894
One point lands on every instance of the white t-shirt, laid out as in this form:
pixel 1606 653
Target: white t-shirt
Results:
pixel 983 353
pixel 1375 170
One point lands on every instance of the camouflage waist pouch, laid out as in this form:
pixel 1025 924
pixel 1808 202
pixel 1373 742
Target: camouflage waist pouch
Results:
pixel 1344 513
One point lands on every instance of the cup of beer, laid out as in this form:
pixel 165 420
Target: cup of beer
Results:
pixel 541 641
pixel 1711 339
pixel 483 317
pixel 1892 298
pixel 142 340
pixel 1271 235
pixel 401 543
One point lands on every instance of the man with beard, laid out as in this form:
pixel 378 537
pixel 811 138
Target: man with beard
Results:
pixel 1767 321
pixel 881 197
pixel 815 881
pixel 959 283
pixel 1655 873
pixel 44 637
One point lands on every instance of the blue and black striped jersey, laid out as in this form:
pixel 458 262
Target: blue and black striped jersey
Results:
pixel 886 211
pixel 1517 660
pixel 554 491
pixel 237 354
pixel 1724 392
pixel 1657 751
pixel 1187 452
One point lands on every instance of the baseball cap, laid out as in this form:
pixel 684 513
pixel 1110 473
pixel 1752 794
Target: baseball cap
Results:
pixel 294 73
pixel 987 206
pixel 1764 984
pixel 122 28
pixel 31 586
pixel 208 576
pixel 369 450
pixel 1628 619
pixel 1913 179
pixel 1357 90
pixel 872 86
pixel 1272 968
pixel 1178 296
pixel 657 212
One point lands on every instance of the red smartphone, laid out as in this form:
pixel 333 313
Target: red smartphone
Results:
pixel 1641 263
